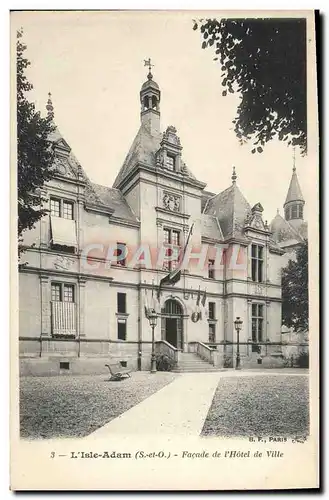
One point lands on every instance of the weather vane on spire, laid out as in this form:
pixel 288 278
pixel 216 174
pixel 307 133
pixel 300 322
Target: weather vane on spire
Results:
pixel 294 159
pixel 147 62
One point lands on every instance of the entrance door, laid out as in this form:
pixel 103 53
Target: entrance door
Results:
pixel 171 331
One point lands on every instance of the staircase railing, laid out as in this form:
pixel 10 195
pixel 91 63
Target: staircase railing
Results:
pixel 205 352
pixel 163 347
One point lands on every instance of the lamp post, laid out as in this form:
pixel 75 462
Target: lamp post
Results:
pixel 152 316
pixel 238 326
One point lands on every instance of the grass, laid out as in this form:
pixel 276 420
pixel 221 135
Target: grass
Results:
pixel 259 406
pixel 75 406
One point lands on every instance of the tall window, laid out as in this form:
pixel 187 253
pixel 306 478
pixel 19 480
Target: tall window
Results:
pixel 212 333
pixel 212 310
pixel 257 263
pixel 121 303
pixel 121 252
pixel 294 212
pixel 122 329
pixel 62 292
pixel 257 322
pixel 211 268
pixel 61 208
pixel 171 238
pixel 170 162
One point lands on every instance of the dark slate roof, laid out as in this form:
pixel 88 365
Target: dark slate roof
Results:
pixel 231 208
pixel 210 227
pixel 282 231
pixel 294 191
pixel 112 198
pixel 142 150
pixel 96 194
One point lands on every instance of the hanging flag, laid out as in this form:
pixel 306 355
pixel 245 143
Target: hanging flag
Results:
pixel 146 304
pixel 175 275
pixel 204 298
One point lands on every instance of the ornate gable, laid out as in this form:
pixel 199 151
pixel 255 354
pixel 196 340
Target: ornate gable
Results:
pixel 254 219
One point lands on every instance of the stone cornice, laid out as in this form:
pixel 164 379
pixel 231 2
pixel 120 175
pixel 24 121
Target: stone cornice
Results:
pixel 171 212
pixel 161 172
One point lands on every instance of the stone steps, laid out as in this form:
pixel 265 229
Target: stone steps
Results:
pixel 192 363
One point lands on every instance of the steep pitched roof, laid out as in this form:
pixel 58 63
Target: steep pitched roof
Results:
pixel 143 150
pixel 96 194
pixel 210 227
pixel 282 231
pixel 112 198
pixel 231 208
pixel 294 191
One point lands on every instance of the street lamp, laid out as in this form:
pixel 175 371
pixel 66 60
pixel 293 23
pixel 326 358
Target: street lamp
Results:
pixel 152 317
pixel 238 326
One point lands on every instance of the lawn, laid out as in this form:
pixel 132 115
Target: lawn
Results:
pixel 75 406
pixel 269 405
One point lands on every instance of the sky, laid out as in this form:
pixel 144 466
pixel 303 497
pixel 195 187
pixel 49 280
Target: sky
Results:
pixel 92 63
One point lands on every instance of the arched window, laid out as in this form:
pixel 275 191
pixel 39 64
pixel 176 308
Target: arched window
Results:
pixel 145 103
pixel 172 307
pixel 154 102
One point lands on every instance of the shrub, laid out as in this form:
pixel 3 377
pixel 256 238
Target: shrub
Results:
pixel 164 363
pixel 302 360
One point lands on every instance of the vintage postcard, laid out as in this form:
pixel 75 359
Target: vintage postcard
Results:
pixel 164 215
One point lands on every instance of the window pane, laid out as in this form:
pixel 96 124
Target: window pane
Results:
pixel 56 292
pixel 67 210
pixel 260 252
pixel 254 310
pixel 122 329
pixel 166 235
pixel 260 330
pixel 212 333
pixel 121 299
pixel 294 212
pixel 254 269
pixel 254 329
pixel 175 238
pixel 260 310
pixel 170 162
pixel 55 207
pixel 68 293
pixel 254 250
pixel 260 270
pixel 211 310
pixel 121 252
pixel 211 270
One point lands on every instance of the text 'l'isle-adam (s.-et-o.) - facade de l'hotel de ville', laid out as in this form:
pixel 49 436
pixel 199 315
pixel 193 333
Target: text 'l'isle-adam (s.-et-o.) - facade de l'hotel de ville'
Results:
pixel 78 310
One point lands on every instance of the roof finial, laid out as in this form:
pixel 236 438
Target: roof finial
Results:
pixel 234 176
pixel 147 62
pixel 294 160
pixel 50 107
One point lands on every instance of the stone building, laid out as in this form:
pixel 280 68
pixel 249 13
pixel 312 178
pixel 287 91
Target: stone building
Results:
pixel 97 258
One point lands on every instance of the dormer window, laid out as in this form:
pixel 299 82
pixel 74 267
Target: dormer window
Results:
pixel 170 162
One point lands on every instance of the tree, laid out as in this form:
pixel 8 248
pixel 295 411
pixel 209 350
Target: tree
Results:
pixel 295 291
pixel 34 153
pixel 264 60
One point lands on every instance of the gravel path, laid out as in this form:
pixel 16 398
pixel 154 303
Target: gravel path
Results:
pixel 53 407
pixel 273 405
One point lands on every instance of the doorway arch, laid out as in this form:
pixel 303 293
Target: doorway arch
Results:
pixel 172 323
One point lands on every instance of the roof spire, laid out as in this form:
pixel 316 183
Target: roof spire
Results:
pixel 294 159
pixel 50 107
pixel 234 176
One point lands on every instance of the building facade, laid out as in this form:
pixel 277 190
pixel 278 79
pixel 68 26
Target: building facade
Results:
pixel 97 258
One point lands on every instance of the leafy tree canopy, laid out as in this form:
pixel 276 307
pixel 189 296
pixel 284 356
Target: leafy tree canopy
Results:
pixel 295 291
pixel 264 60
pixel 34 153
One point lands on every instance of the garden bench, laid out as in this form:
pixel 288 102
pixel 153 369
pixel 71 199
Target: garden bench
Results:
pixel 117 371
